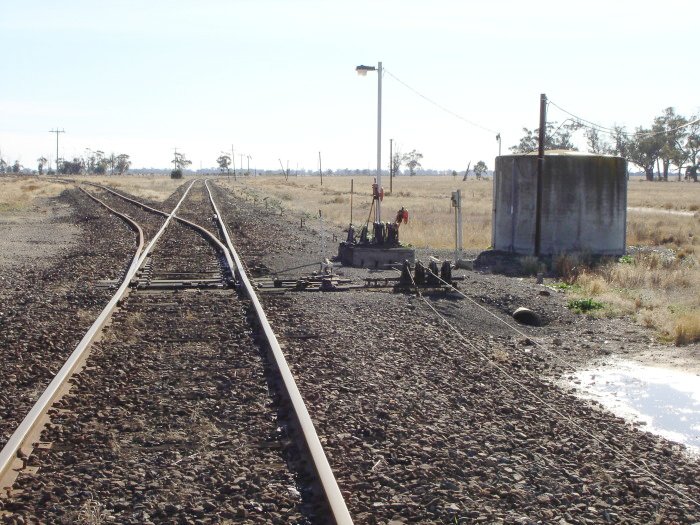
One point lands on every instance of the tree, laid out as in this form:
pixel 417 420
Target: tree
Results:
pixel 41 162
pixel 479 169
pixel 97 163
pixel 555 138
pixel 74 167
pixel 671 135
pixel 122 163
pixel 595 143
pixel 396 162
pixel 3 165
pixel 16 167
pixel 180 162
pixel 224 161
pixel 621 142
pixel 692 148
pixel 111 162
pixel 412 161
pixel 643 149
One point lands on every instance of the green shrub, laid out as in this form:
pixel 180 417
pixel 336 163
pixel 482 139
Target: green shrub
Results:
pixel 584 305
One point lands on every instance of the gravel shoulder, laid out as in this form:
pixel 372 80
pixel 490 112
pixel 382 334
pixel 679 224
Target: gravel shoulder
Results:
pixel 36 235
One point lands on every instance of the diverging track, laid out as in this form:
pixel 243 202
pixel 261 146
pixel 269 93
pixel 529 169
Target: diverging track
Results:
pixel 179 415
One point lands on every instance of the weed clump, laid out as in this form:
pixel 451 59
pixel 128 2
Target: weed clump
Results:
pixel 687 329
pixel 583 306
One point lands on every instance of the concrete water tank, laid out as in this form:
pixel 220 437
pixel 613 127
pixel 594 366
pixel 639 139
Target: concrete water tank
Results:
pixel 583 207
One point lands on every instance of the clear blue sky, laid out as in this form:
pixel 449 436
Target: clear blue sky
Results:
pixel 276 78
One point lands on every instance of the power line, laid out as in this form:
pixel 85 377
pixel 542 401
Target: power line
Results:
pixel 460 117
pixel 611 131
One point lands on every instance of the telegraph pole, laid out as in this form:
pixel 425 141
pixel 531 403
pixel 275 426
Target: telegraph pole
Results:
pixel 391 165
pixel 57 131
pixel 233 161
pixel 540 171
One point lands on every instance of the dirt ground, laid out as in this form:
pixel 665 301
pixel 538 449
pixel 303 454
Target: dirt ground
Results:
pixel 36 235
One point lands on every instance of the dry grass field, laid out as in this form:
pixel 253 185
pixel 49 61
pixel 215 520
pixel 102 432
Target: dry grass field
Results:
pixel 19 193
pixel 427 199
pixel 672 195
pixel 151 187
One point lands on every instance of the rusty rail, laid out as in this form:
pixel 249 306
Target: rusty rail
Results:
pixel 336 502
pixel 20 442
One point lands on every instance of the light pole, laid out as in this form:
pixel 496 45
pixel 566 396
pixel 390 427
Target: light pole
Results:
pixel 362 71
pixel 498 138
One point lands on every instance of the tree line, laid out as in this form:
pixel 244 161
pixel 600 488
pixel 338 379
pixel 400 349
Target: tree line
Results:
pixel 93 163
pixel 670 141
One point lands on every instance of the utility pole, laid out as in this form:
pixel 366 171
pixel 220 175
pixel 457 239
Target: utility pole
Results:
pixel 391 165
pixel 540 171
pixel 241 156
pixel 57 131
pixel 498 138
pixel 379 140
pixel 457 205
pixel 233 161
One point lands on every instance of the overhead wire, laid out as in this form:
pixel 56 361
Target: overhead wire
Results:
pixel 438 105
pixel 611 131
pixel 508 376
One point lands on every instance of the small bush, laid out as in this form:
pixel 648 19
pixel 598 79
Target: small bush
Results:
pixel 687 329
pixel 584 305
pixel 176 174
pixel 568 266
pixel 626 259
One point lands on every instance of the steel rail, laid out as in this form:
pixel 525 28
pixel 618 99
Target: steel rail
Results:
pixel 335 499
pixel 134 201
pixel 33 420
pixel 201 229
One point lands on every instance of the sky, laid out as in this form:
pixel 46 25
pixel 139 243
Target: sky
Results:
pixel 276 79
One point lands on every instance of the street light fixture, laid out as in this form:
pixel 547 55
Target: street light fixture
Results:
pixel 362 71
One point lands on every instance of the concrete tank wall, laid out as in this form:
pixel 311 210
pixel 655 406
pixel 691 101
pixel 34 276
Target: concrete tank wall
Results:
pixel 584 204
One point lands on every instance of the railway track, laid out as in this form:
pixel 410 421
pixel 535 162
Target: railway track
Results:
pixel 184 411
